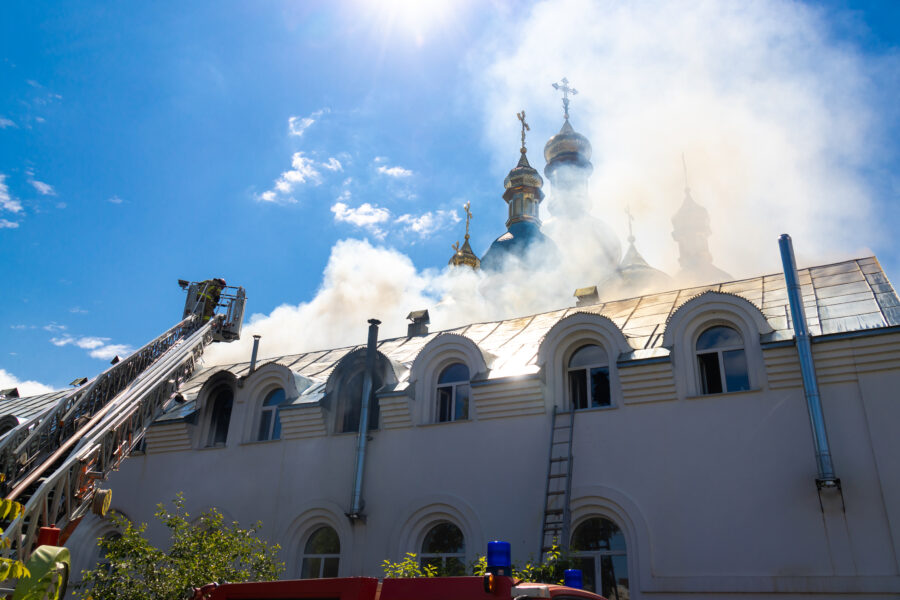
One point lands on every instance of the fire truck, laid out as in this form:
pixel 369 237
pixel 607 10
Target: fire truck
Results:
pixel 496 584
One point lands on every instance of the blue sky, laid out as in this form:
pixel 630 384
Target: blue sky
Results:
pixel 141 143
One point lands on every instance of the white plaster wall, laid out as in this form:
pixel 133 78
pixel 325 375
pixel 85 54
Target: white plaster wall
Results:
pixel 715 494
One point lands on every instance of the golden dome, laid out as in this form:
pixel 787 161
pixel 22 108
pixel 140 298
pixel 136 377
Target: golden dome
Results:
pixel 567 145
pixel 464 256
pixel 523 174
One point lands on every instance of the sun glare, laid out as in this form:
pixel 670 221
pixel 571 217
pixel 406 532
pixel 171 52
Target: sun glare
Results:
pixel 417 18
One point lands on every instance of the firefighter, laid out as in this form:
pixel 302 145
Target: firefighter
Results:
pixel 210 290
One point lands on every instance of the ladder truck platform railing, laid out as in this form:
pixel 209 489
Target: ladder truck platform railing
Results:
pixel 53 465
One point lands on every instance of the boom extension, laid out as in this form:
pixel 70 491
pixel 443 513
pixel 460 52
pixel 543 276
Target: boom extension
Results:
pixel 52 464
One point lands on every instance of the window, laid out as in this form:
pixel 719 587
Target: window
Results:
pixel 269 418
pixel 598 548
pixel 453 393
pixel 722 361
pixel 351 402
pixel 220 417
pixel 589 378
pixel 444 548
pixel 103 558
pixel 322 554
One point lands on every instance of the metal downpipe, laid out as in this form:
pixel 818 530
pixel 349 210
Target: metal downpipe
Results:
pixel 255 352
pixel 363 436
pixel 826 476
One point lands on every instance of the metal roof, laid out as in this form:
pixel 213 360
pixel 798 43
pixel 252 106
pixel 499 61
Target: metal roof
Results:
pixel 849 296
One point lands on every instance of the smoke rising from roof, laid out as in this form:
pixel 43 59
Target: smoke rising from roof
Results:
pixel 775 118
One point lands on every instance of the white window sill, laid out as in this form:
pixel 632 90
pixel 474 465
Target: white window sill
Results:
pixel 439 423
pixel 596 409
pixel 720 394
pixel 255 442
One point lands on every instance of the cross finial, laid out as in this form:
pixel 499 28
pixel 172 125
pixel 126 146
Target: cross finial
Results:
pixel 468 217
pixel 687 188
pixel 455 247
pixel 566 90
pixel 525 128
pixel 630 222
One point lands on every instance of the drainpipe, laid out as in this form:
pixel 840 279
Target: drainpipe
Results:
pixel 826 476
pixel 254 353
pixel 363 436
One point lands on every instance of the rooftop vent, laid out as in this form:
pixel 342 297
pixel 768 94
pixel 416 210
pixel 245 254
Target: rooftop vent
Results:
pixel 419 325
pixel 79 381
pixel 9 393
pixel 586 296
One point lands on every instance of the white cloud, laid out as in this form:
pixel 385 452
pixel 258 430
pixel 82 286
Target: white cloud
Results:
pixel 394 171
pixel 110 351
pixel 366 216
pixel 428 223
pixel 54 326
pixel 97 345
pixel 114 200
pixel 6 201
pixel 333 164
pixel 298 125
pixel 77 310
pixel 304 170
pixel 44 189
pixel 26 388
pixel 4 224
pixel 4 123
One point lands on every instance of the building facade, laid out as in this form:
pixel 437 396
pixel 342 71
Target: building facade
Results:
pixel 694 470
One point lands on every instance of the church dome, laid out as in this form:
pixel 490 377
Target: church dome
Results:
pixel 523 174
pixel 519 240
pixel 568 145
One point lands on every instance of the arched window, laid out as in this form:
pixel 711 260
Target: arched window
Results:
pixel 220 416
pixel 322 554
pixel 103 558
pixel 598 547
pixel 453 393
pixel 721 361
pixel 269 418
pixel 589 378
pixel 350 402
pixel 445 548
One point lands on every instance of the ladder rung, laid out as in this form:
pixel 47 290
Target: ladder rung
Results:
pixel 561 459
pixel 561 441
pixel 558 476
pixel 555 493
pixel 553 511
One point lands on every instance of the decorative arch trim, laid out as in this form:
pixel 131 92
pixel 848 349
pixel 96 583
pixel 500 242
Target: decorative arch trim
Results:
pixel 567 336
pixel 312 516
pixel 442 351
pixel 258 385
pixel 610 503
pixel 707 310
pixel 429 511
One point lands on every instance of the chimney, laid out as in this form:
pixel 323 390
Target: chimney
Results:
pixel 586 296
pixel 255 352
pixel 419 324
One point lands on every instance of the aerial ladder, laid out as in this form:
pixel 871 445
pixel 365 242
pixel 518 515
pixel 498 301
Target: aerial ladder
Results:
pixel 53 464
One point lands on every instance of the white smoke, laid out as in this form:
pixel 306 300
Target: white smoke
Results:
pixel 773 116
pixel 26 388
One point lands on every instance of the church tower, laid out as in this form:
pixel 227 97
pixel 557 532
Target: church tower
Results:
pixel 464 255
pixel 569 168
pixel 523 196
pixel 691 231
pixel 634 275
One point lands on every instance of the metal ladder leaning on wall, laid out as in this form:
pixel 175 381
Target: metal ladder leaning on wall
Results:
pixel 557 517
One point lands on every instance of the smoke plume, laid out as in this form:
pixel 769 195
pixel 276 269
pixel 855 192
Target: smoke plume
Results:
pixel 773 116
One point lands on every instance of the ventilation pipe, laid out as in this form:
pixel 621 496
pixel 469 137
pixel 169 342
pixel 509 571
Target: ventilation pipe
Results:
pixel 356 503
pixel 826 478
pixel 419 323
pixel 255 352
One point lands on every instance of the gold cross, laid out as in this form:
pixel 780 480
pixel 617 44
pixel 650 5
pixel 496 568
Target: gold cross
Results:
pixel 468 217
pixel 566 90
pixel 525 128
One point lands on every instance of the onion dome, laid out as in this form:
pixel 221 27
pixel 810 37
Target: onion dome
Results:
pixel 567 147
pixel 634 275
pixel 523 196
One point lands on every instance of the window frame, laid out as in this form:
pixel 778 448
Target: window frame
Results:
pixel 599 554
pixel 453 387
pixel 588 371
pixel 208 429
pixel 459 555
pixel 274 419
pixel 719 352
pixel 322 557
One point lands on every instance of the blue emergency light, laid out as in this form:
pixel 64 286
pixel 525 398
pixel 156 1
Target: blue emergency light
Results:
pixel 499 558
pixel 572 578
